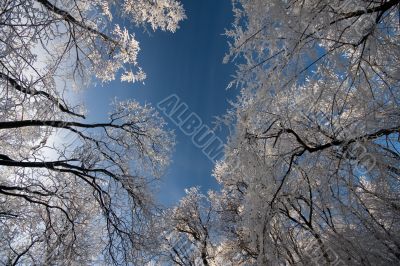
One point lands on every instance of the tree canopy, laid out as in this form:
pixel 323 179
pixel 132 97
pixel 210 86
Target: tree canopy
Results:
pixel 312 170
pixel 74 191
pixel 310 174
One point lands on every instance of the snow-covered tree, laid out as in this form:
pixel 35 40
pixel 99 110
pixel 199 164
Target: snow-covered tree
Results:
pixel 311 173
pixel 187 234
pixel 74 191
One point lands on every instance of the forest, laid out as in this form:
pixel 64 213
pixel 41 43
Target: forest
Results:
pixel 310 171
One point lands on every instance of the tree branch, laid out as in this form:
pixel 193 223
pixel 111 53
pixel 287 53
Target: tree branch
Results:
pixel 34 92
pixel 69 18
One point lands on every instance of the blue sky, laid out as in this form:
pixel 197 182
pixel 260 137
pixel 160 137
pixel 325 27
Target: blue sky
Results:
pixel 187 63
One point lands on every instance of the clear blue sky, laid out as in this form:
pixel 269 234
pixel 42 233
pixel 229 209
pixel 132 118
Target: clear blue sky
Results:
pixel 187 63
